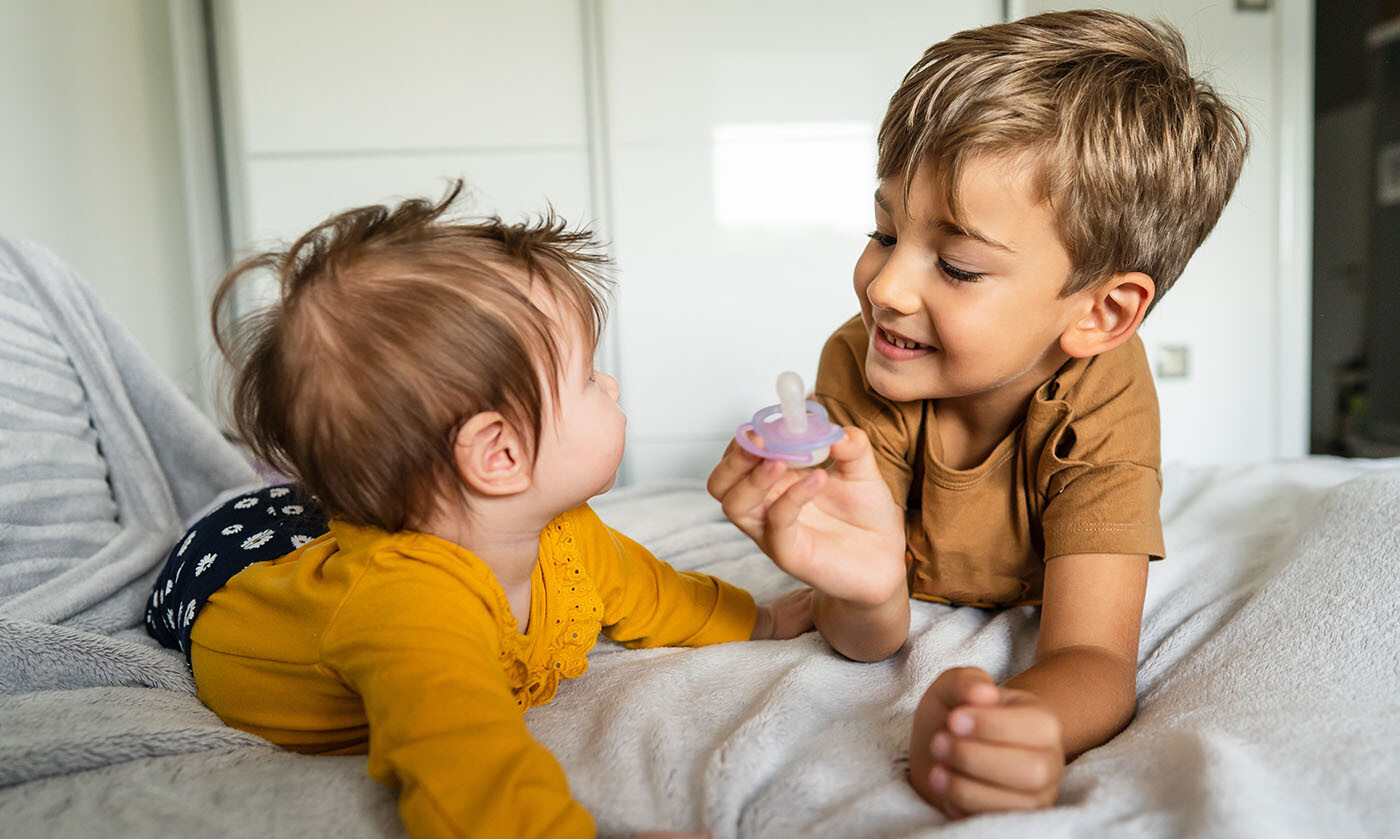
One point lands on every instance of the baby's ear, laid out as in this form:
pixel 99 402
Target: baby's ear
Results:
pixel 491 456
pixel 1110 315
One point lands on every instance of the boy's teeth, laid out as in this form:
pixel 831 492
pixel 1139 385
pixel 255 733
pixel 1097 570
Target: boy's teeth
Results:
pixel 901 343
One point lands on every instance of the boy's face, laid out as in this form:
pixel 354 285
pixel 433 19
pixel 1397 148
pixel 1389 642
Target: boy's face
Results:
pixel 582 437
pixel 970 309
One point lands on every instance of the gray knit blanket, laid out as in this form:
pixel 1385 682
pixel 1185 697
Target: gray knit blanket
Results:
pixel 1268 676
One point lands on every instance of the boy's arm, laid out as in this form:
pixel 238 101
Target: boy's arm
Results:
pixel 1085 666
pixel 978 747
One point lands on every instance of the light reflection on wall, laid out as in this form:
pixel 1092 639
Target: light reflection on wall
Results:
pixel 810 175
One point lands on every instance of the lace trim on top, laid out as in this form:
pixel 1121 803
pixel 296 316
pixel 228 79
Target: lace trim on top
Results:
pixel 573 616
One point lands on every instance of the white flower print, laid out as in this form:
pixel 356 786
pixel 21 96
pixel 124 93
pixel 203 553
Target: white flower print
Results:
pixel 204 563
pixel 292 509
pixel 257 540
pixel 232 529
pixel 189 613
pixel 170 618
pixel 277 492
pixel 169 584
pixel 185 544
pixel 272 511
pixel 245 503
pixel 300 539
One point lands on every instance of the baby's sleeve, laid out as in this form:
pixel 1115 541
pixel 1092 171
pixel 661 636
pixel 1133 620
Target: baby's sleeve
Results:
pixel 841 389
pixel 647 603
pixel 444 726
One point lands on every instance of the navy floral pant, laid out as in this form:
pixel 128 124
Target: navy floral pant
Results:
pixel 258 526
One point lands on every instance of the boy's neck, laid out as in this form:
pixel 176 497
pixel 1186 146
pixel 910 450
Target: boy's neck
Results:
pixel 971 427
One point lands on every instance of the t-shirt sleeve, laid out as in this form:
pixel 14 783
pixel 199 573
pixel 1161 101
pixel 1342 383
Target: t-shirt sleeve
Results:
pixel 1110 508
pixel 842 390
pixel 1100 470
pixel 423 655
pixel 647 603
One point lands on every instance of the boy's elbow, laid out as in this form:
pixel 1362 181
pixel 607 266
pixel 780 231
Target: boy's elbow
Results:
pixel 855 650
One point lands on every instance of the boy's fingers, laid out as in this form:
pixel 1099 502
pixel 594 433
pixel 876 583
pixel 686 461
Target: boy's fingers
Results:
pixel 784 512
pixel 1030 771
pixel 852 456
pixel 733 467
pixel 749 493
pixel 1027 726
pixel 971 795
pixel 964 686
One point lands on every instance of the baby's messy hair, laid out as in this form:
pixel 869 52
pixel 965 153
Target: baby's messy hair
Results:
pixel 391 327
pixel 1136 156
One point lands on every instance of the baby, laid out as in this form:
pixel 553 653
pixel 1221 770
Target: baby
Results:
pixel 1042 184
pixel 436 570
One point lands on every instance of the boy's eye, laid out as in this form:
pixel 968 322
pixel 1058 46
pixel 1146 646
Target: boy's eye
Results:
pixel 954 273
pixel 884 240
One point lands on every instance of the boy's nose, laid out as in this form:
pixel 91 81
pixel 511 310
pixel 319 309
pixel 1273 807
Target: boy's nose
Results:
pixel 894 289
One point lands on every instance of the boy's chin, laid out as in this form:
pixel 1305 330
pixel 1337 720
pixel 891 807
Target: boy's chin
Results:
pixel 898 388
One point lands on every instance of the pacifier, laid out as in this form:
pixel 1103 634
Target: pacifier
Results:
pixel 794 430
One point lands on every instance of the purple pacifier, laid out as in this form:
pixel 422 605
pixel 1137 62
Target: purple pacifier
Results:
pixel 793 430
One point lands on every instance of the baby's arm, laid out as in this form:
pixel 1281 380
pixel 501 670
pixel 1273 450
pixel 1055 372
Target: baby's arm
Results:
pixel 839 531
pixel 977 747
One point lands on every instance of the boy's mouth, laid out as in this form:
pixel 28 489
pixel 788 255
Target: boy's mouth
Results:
pixel 896 347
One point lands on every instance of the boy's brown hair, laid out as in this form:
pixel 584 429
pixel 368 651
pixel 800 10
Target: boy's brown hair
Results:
pixel 1136 157
pixel 393 326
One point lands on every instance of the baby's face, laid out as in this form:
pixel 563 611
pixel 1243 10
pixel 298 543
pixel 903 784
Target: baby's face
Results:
pixel 582 436
pixel 968 309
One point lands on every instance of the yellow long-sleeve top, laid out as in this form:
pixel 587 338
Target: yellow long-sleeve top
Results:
pixel 403 645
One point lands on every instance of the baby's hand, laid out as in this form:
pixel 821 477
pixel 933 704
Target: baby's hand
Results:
pixel 788 616
pixel 977 747
pixel 839 531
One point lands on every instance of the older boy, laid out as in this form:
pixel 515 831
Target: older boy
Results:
pixel 1042 184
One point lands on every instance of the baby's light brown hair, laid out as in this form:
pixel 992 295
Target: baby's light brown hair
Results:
pixel 1136 157
pixel 392 327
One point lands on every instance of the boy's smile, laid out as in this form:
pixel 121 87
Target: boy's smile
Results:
pixel 968 310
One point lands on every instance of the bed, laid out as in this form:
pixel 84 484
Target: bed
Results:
pixel 1269 679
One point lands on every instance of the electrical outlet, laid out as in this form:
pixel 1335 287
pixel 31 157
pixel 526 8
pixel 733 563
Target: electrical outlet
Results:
pixel 1173 361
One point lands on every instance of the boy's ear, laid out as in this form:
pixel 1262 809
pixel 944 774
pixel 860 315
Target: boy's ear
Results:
pixel 491 457
pixel 1114 312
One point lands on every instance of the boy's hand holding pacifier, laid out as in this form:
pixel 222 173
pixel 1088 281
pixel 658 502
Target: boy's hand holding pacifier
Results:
pixel 977 747
pixel 836 529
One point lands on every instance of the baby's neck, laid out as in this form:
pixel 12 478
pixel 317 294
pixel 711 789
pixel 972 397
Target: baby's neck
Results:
pixel 502 534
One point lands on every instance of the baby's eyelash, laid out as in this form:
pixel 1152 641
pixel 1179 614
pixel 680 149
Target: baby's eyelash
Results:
pixel 957 274
pixel 884 240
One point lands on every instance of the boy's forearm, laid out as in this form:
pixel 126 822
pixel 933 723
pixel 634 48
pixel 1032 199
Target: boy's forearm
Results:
pixel 1091 690
pixel 861 632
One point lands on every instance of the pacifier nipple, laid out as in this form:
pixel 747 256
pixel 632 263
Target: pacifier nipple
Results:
pixel 794 430
pixel 791 401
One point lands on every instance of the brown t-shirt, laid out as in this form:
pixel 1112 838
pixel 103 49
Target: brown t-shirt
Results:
pixel 1081 474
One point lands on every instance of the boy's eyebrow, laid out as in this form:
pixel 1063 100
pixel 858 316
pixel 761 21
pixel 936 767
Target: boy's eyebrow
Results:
pixel 950 228
pixel 954 230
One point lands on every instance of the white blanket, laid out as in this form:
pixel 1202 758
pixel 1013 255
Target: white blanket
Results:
pixel 1268 682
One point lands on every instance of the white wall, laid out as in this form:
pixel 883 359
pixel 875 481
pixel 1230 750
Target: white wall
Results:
pixel 89 159
pixel 725 149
